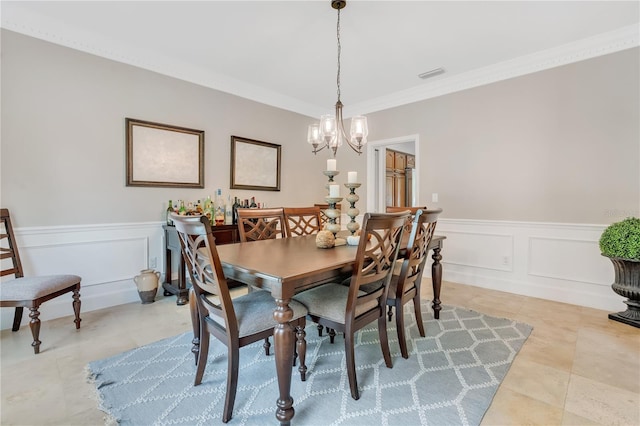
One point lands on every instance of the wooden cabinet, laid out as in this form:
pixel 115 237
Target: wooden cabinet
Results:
pixel 398 178
pixel 224 234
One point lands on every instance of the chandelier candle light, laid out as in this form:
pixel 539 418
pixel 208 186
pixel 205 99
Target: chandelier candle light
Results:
pixel 330 133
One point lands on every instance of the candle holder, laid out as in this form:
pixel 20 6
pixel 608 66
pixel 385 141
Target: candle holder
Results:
pixel 353 212
pixel 330 174
pixel 332 213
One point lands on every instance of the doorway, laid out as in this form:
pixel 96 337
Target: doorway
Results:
pixel 376 169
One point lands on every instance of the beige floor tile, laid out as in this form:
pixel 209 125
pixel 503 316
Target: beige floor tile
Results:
pixel 513 408
pixel 608 359
pixel 545 350
pixel 602 403
pixel 538 381
pixel 570 419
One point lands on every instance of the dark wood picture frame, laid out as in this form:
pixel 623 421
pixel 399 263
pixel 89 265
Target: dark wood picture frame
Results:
pixel 255 165
pixel 161 155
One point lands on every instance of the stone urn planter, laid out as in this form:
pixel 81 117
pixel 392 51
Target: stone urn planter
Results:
pixel 147 283
pixel 620 242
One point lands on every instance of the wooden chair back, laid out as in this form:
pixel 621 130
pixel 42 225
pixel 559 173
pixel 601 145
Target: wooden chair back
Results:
pixel 302 220
pixel 422 228
pixel 8 248
pixel 261 224
pixel 205 271
pixel 378 248
pixel 396 209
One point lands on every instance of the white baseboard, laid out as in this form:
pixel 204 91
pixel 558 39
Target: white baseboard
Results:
pixel 559 262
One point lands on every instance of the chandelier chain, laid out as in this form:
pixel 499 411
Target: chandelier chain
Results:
pixel 339 51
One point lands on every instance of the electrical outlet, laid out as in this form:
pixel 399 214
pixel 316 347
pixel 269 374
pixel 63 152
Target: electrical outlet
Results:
pixel 153 262
pixel 434 197
pixel 506 260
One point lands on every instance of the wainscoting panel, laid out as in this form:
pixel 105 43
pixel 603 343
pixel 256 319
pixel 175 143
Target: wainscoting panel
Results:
pixel 107 257
pixel 548 258
pixel 560 262
pixel 554 261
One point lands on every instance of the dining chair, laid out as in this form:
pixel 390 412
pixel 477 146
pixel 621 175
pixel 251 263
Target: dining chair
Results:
pixel 30 292
pixel 235 322
pixel 405 285
pixel 302 220
pixel 350 308
pixel 261 224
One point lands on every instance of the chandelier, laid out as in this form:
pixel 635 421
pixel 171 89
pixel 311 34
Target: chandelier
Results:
pixel 329 132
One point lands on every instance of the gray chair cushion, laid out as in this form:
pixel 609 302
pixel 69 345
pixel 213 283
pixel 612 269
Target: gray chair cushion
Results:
pixel 254 312
pixel 330 301
pixel 31 288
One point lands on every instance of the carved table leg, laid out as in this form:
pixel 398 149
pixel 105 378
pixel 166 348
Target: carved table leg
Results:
pixel 283 340
pixel 436 278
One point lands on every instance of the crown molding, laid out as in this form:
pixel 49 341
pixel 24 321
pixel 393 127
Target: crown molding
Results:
pixel 591 47
pixel 19 20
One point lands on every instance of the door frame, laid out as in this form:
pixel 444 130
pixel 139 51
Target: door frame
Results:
pixel 376 170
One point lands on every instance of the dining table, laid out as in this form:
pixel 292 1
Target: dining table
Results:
pixel 286 266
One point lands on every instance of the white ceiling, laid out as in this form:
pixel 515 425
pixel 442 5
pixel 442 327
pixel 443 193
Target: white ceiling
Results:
pixel 284 53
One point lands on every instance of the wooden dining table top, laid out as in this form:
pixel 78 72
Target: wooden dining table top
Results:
pixel 285 265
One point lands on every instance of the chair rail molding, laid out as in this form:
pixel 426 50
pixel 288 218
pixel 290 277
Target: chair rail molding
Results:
pixel 554 261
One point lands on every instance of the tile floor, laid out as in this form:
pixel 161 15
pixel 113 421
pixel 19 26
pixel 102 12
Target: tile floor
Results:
pixel 576 368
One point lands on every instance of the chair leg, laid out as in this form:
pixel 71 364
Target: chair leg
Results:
pixel 232 382
pixel 320 330
pixel 384 341
pixel 351 364
pixel 302 351
pixel 34 324
pixel 17 319
pixel 266 346
pixel 390 313
pixel 76 306
pixel 332 335
pixel 402 341
pixel 195 324
pixel 418 311
pixel 203 353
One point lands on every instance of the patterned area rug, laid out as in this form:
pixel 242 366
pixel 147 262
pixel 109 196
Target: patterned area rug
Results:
pixel 450 377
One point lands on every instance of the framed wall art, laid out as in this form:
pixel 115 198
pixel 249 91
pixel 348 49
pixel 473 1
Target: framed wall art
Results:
pixel 164 156
pixel 255 165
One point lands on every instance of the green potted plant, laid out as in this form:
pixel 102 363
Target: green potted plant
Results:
pixel 620 242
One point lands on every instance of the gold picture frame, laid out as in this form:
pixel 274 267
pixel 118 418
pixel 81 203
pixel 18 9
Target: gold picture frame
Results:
pixel 255 165
pixel 161 155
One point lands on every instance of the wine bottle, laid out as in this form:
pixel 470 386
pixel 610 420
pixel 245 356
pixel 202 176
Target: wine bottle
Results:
pixel 228 217
pixel 183 210
pixel 169 211
pixel 219 206
pixel 236 206
pixel 253 204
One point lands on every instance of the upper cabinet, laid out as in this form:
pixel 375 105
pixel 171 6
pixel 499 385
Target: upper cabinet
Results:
pixel 398 179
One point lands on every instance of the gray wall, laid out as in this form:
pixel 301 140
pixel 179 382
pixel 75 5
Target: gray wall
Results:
pixel 63 137
pixel 560 145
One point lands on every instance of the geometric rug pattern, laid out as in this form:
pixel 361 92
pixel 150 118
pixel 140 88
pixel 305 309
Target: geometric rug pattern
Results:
pixel 450 377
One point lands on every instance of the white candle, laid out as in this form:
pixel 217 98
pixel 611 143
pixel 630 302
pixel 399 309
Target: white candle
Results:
pixel 352 177
pixel 331 164
pixel 334 191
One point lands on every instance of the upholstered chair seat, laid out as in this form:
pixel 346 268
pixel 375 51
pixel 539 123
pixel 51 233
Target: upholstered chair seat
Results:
pixel 29 288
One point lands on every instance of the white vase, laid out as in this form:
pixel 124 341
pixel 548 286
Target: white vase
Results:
pixel 147 283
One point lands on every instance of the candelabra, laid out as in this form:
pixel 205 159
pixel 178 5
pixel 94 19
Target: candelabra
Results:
pixel 352 212
pixel 332 213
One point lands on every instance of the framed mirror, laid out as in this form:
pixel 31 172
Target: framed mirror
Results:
pixel 255 165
